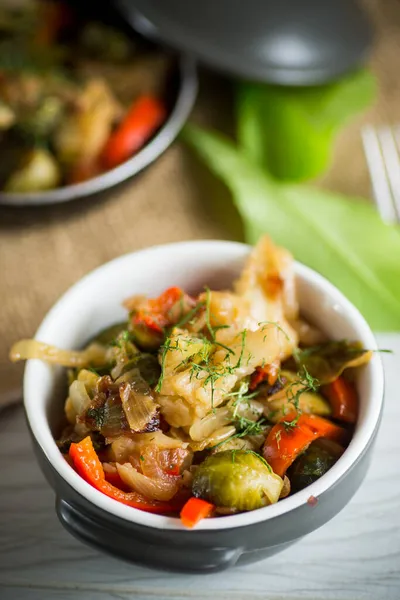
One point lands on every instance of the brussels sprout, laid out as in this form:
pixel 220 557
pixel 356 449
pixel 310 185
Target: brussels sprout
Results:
pixel 319 457
pixel 146 365
pixel 106 336
pixel 237 479
pixel 145 337
pixel 327 361
pixel 39 171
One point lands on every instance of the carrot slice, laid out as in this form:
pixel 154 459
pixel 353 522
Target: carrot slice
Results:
pixel 343 399
pixel 284 444
pixel 194 510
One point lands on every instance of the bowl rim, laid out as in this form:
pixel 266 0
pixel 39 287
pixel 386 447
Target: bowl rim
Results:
pixel 186 96
pixel 358 445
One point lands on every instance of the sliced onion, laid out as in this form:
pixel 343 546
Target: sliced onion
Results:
pixel 160 439
pixel 150 465
pixel 140 408
pixel 285 491
pixel 153 489
pixel 204 428
pixel 122 448
pixel 218 436
pixel 251 410
pixel 95 354
pixel 80 399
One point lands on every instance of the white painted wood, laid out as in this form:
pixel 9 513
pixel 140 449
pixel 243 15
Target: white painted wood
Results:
pixel 354 557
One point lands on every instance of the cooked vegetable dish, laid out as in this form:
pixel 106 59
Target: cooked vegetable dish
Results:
pixel 78 97
pixel 209 404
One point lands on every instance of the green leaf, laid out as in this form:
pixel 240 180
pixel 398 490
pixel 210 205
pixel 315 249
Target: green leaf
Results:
pixel 342 238
pixel 290 131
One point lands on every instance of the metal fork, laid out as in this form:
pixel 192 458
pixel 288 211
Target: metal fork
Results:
pixel 382 151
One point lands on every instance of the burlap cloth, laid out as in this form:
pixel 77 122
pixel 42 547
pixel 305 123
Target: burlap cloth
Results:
pixel 45 250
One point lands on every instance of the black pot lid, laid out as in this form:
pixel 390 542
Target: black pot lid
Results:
pixel 289 42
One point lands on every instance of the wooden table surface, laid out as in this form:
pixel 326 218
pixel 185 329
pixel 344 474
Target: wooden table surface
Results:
pixel 356 556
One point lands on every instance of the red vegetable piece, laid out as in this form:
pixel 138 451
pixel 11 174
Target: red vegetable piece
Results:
pixel 143 118
pixel 284 443
pixel 91 470
pixel 194 510
pixel 342 396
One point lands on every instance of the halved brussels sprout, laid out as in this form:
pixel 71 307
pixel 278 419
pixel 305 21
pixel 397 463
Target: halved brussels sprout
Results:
pixel 327 361
pixel 319 457
pixel 237 479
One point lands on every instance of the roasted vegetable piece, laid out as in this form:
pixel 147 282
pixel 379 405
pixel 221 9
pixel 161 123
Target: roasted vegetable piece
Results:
pixel 153 315
pixel 84 131
pixel 343 399
pixel 105 43
pixel 195 510
pixel 280 403
pixel 143 118
pixel 39 123
pixel 291 437
pixel 89 467
pixel 327 361
pixel 38 172
pixel 319 457
pixel 238 479
pixel 146 365
pixel 140 408
pixel 108 335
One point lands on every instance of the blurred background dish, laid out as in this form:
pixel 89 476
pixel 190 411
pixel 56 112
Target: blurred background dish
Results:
pixel 292 42
pixel 84 102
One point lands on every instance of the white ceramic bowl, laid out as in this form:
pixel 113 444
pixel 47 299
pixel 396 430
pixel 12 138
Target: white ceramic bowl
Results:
pixel 95 303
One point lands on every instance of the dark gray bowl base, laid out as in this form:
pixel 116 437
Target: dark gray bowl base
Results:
pixel 202 551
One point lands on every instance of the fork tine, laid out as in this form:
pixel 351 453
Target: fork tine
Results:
pixel 392 164
pixel 376 166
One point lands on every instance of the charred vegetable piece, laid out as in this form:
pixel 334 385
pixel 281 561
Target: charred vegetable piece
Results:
pixel 38 172
pixel 237 479
pixel 327 361
pixel 315 462
pixel 141 410
pixel 106 414
pixel 149 321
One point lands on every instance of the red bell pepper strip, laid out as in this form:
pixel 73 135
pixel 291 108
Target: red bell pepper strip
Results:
pixel 89 467
pixel 194 510
pixel 284 443
pixel 269 372
pixel 155 314
pixel 143 118
pixel 342 396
